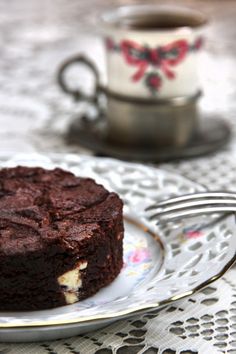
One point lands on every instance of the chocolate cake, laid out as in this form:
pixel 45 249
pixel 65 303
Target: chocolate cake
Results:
pixel 60 238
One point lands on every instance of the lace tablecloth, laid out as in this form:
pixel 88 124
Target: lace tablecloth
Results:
pixel 35 37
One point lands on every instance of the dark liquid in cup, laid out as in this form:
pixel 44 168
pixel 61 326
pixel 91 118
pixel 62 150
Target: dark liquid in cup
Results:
pixel 159 21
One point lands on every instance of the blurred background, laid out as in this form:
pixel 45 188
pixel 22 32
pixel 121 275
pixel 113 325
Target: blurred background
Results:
pixel 36 36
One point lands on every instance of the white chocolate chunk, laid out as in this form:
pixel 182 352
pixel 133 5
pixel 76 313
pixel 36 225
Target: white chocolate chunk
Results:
pixel 71 298
pixel 71 282
pixel 71 279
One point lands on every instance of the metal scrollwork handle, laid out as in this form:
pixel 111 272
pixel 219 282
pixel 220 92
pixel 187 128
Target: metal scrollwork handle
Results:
pixel 78 94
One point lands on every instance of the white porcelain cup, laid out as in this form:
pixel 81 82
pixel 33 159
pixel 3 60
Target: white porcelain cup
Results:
pixel 152 67
pixel 153 51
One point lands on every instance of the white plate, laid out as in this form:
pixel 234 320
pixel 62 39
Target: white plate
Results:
pixel 160 265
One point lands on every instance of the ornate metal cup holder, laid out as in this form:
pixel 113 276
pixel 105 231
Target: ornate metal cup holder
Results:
pixel 211 134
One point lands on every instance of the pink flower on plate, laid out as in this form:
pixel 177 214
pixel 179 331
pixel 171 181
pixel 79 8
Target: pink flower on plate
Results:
pixel 139 255
pixel 194 234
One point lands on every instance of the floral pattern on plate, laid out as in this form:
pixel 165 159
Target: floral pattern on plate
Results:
pixel 161 271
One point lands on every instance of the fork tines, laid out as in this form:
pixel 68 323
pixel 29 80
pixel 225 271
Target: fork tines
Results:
pixel 193 204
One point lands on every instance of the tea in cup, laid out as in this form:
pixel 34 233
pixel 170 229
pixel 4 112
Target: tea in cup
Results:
pixel 152 86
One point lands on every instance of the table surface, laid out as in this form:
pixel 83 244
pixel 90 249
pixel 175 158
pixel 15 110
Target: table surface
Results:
pixel 36 36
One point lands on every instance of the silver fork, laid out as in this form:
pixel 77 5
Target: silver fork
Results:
pixel 194 204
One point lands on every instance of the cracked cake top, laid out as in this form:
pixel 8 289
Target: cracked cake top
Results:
pixel 39 207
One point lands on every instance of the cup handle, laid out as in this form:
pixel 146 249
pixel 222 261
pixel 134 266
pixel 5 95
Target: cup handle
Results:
pixel 76 93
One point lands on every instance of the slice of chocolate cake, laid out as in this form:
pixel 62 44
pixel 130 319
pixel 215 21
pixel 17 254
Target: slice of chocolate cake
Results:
pixel 60 238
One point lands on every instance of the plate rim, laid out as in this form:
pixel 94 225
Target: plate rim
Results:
pixel 122 314
pixel 129 312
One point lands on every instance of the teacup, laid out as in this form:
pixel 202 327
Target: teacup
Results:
pixel 152 74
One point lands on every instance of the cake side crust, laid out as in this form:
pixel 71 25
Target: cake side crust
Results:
pixel 60 238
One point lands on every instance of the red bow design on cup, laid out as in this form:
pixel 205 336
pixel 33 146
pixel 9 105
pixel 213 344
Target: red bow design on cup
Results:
pixel 163 57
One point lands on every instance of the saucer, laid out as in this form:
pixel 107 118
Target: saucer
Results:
pixel 211 134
